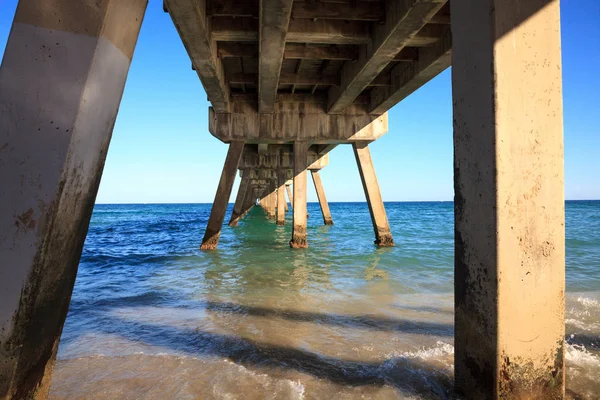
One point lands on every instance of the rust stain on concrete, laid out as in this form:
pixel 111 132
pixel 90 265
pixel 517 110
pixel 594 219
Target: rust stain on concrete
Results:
pixel 25 220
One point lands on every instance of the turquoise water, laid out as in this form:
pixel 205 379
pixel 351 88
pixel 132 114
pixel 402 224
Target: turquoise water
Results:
pixel 154 317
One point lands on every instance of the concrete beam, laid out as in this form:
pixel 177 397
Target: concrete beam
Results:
pixel 227 29
pixel 296 51
pixel 509 200
pixel 278 157
pixel 299 225
pixel 381 226
pixel 360 11
pixel 239 200
pixel 407 78
pixel 327 220
pixel 288 124
pixel 274 16
pixel 293 51
pixel 263 148
pixel 189 17
pixel 219 207
pixel 403 21
pixel 56 127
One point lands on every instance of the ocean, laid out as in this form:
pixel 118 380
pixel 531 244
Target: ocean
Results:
pixel 153 317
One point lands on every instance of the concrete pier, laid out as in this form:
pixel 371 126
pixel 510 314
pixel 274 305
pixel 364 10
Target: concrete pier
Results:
pixel 299 225
pixel 289 193
pixel 327 220
pixel 272 203
pixel 509 200
pixel 219 207
pixel 381 226
pixel 240 200
pixel 55 129
pixel 307 78
pixel 281 203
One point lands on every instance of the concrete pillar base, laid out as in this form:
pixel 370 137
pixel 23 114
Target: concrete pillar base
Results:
pixel 212 242
pixel 234 220
pixel 299 238
pixel 384 239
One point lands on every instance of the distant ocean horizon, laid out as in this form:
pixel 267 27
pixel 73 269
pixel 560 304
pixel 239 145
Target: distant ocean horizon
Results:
pixel 154 317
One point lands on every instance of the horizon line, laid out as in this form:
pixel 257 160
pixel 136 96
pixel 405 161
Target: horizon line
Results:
pixel 312 202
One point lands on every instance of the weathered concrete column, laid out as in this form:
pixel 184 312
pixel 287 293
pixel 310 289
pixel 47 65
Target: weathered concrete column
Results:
pixel 289 194
pixel 219 207
pixel 321 196
pixel 281 203
pixel 239 200
pixel 270 203
pixel 61 82
pixel 509 200
pixel 299 204
pixel 249 202
pixel 381 226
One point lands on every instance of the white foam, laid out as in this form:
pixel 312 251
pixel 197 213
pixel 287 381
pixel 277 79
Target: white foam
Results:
pixel 587 302
pixel 579 356
pixel 441 349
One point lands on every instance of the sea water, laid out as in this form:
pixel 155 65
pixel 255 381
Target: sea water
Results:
pixel 153 317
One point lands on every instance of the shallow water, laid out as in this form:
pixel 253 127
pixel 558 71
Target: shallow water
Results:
pixel 152 317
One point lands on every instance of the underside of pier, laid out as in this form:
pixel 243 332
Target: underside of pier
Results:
pixel 289 80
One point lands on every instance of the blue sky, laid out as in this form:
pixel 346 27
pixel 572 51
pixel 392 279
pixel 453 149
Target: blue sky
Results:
pixel 161 151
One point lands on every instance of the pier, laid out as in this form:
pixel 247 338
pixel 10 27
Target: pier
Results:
pixel 288 81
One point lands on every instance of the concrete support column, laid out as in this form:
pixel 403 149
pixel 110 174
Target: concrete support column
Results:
pixel 61 82
pixel 381 226
pixel 249 201
pixel 219 207
pixel 321 196
pixel 509 200
pixel 281 203
pixel 289 194
pixel 239 200
pixel 271 203
pixel 299 204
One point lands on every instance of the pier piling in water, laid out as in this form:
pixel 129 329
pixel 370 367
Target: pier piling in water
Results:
pixel 61 82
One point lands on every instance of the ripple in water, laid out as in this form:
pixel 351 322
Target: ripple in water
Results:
pixel 152 317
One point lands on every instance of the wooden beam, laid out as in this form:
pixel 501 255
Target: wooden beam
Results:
pixel 403 21
pixel 191 23
pixel 406 78
pixel 225 29
pixel 293 51
pixel 358 11
pixel 274 20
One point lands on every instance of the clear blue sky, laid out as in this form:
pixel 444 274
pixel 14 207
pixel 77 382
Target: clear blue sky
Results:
pixel 161 150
